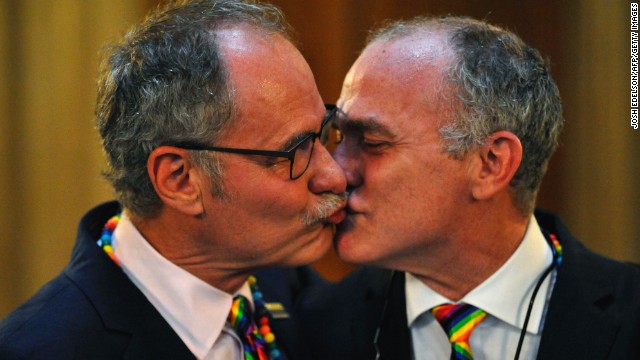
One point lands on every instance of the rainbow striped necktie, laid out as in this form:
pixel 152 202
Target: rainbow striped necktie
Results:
pixel 458 321
pixel 241 319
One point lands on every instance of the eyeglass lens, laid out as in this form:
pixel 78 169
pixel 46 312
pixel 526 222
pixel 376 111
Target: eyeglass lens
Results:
pixel 302 155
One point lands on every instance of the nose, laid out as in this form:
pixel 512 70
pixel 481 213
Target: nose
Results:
pixel 349 163
pixel 327 175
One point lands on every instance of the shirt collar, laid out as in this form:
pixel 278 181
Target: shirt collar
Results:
pixel 505 294
pixel 195 310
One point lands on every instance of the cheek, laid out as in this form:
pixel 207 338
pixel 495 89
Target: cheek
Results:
pixel 265 204
pixel 280 207
pixel 274 211
pixel 413 190
pixel 386 181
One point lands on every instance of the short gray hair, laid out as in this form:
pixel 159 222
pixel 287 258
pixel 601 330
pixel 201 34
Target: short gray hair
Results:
pixel 500 83
pixel 166 82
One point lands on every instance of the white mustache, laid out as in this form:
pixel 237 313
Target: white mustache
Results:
pixel 323 209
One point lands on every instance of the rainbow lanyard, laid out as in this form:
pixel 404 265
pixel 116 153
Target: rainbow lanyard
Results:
pixel 264 332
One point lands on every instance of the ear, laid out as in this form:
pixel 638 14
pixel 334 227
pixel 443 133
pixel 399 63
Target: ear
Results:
pixel 496 164
pixel 175 179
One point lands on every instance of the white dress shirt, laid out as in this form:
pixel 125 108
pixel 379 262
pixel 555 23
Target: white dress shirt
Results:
pixel 195 310
pixel 504 296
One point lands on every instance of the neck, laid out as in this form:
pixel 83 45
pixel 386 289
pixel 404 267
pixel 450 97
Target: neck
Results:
pixel 175 237
pixel 470 256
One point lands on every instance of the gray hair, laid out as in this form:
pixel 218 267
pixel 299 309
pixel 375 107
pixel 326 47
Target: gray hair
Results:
pixel 166 82
pixel 500 83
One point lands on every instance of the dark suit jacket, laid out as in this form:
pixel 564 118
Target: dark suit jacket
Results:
pixel 594 311
pixel 93 311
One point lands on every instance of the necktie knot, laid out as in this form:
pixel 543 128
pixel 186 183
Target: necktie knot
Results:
pixel 241 316
pixel 458 321
pixel 241 320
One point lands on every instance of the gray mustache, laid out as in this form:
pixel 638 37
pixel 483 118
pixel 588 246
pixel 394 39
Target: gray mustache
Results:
pixel 323 209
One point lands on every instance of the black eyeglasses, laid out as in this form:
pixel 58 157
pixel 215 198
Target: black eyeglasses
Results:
pixel 299 155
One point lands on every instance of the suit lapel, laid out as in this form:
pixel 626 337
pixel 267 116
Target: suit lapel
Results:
pixel 274 285
pixel 155 339
pixel 394 338
pixel 577 324
pixel 123 309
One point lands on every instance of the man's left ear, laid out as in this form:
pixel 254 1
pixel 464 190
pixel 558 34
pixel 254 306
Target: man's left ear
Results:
pixel 495 165
pixel 175 179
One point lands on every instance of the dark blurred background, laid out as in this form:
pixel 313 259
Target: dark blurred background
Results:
pixel 50 157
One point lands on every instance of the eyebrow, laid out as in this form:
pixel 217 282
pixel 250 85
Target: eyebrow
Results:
pixel 295 139
pixel 363 125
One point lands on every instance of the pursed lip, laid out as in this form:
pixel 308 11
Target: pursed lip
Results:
pixel 338 216
pixel 354 206
pixel 349 214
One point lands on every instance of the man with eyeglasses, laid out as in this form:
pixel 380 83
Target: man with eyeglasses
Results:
pixel 210 119
pixel 447 125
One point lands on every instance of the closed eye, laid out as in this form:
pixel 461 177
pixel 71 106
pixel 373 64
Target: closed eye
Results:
pixel 372 143
pixel 368 133
pixel 373 147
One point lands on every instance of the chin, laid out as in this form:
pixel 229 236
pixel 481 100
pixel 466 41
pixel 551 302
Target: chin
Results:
pixel 349 247
pixel 312 251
